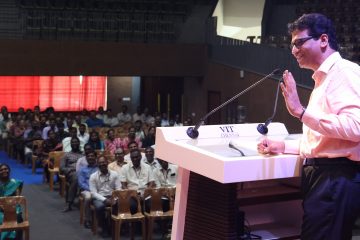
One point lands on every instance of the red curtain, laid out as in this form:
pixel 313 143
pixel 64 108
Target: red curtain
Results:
pixel 64 93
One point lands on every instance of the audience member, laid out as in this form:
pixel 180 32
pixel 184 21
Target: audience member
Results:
pixel 110 119
pixel 68 168
pixel 136 175
pixel 82 162
pixel 138 115
pixel 82 134
pixel 10 187
pixel 61 133
pixel 49 145
pixel 124 116
pixel 100 113
pixel 139 132
pixel 93 121
pixel 164 120
pixel 66 142
pixel 149 139
pixel 112 143
pixel 166 175
pixel 119 161
pixel 102 183
pixel 131 137
pixel 83 181
pixel 95 142
pixel 150 160
pixel 148 119
pixel 52 126
pixel 132 146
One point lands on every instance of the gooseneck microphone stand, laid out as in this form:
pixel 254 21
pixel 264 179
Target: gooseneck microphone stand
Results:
pixel 193 132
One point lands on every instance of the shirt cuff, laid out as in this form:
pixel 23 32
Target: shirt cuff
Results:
pixel 292 146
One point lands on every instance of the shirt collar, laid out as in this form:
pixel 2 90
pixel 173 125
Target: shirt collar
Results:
pixel 325 67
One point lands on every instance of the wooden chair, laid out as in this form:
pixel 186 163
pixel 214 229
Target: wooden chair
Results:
pixel 9 206
pixel 54 156
pixel 122 199
pixel 156 208
pixel 62 181
pixel 36 144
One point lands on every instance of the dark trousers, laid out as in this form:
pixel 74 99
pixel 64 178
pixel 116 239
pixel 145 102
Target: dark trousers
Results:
pixel 331 195
pixel 72 186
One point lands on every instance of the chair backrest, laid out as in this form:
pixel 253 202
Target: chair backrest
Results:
pixel 56 156
pixel 171 192
pixel 122 199
pixel 9 206
pixel 156 195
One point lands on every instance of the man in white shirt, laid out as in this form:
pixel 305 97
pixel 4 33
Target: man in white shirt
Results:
pixel 136 175
pixel 150 160
pixel 66 141
pixel 110 119
pixel 166 175
pixel 82 134
pixel 119 161
pixel 102 183
pixel 124 116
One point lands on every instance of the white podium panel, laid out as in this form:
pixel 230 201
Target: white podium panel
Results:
pixel 210 156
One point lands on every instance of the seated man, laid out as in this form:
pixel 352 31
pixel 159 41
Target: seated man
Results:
pixel 119 161
pixel 68 168
pixel 66 142
pixel 136 176
pixel 83 180
pixel 132 146
pixel 165 177
pixel 150 160
pixel 82 162
pixel 102 183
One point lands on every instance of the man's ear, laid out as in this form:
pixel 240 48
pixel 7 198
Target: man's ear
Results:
pixel 324 40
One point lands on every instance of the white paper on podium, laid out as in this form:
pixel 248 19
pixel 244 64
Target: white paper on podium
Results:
pixel 211 156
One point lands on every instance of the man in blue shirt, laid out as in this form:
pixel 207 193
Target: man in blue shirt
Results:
pixel 93 121
pixel 83 180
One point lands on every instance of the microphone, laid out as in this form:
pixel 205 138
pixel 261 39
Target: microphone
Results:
pixel 193 132
pixel 262 128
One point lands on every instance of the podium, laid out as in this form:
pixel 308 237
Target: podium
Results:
pixel 209 170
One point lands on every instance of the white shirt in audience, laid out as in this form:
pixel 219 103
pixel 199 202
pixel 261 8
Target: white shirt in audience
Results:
pixel 155 164
pixel 123 118
pixel 83 138
pixel 166 178
pixel 111 121
pixel 136 179
pixel 102 185
pixel 114 166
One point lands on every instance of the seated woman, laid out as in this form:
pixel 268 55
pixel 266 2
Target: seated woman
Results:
pixel 95 142
pixel 9 187
pixel 112 143
pixel 149 139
